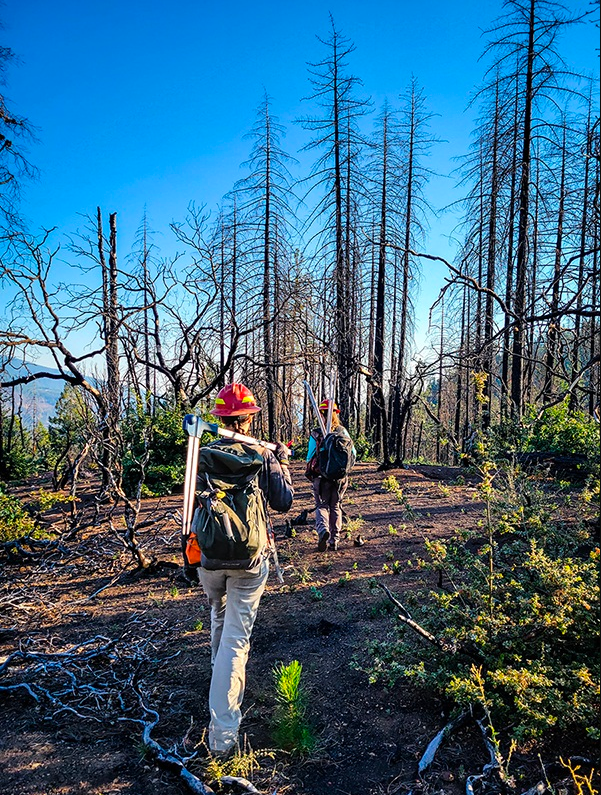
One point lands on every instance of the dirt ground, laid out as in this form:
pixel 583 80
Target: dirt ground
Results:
pixel 369 738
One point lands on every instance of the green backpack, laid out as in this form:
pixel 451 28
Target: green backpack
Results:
pixel 230 521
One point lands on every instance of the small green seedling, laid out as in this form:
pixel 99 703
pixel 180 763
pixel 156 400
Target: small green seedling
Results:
pixel 315 594
pixel 291 729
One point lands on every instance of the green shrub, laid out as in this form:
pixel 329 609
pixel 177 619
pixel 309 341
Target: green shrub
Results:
pixel 45 500
pixel 18 464
pixel 161 479
pixel 521 607
pixel 559 430
pixel 18 520
pixel 15 521
pixel 164 437
pixel 364 448
pixel 509 436
pixel 71 426
pixel 18 460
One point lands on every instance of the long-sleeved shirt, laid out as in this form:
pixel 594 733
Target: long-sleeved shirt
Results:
pixel 275 482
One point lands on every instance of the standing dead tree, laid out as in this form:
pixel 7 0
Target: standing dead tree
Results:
pixel 336 175
pixel 43 323
pixel 46 320
pixel 192 353
pixel 568 309
pixel 263 200
pixel 523 45
pixel 418 141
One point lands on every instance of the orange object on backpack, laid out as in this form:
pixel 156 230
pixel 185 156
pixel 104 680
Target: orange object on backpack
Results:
pixel 192 550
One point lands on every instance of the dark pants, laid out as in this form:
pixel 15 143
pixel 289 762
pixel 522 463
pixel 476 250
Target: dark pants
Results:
pixel 328 507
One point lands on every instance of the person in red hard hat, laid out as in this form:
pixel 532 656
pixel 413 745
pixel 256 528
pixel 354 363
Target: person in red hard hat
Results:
pixel 236 401
pixel 234 594
pixel 328 494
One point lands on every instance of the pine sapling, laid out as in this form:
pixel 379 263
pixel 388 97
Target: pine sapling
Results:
pixel 291 729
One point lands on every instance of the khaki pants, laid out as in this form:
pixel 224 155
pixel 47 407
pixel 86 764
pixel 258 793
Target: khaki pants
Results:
pixel 234 598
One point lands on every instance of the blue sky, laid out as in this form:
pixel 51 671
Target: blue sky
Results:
pixel 146 104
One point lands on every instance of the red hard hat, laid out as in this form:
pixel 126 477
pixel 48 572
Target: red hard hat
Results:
pixel 234 400
pixel 324 405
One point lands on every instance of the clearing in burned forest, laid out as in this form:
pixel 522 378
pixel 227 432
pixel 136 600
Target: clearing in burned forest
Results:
pixel 101 662
pixel 399 292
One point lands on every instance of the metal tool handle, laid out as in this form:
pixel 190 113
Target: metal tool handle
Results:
pixel 196 426
pixel 313 403
pixel 190 484
pixel 330 406
pixel 240 437
pixel 273 549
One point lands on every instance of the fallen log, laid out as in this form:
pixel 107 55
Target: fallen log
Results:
pixel 434 744
pixel 492 767
pixel 243 783
pixel 405 617
pixel 556 463
pixel 447 646
pixel 163 758
pixel 537 789
pixel 17 554
pixel 493 772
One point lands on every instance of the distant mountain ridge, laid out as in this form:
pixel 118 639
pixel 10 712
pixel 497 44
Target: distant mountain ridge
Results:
pixel 38 398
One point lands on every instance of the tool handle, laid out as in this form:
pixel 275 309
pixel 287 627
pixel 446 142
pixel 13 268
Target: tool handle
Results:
pixel 196 426
pixel 330 407
pixel 240 437
pixel 190 484
pixel 313 403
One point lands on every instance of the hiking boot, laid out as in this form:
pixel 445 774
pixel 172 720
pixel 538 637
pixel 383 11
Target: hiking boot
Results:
pixel 322 544
pixel 333 546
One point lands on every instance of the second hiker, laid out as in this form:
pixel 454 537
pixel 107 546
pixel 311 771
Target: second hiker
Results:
pixel 329 461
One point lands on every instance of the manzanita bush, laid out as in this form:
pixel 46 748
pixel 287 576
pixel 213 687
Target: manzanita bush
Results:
pixel 154 450
pixel 517 612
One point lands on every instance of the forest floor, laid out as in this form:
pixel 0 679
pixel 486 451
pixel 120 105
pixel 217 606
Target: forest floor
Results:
pixel 369 738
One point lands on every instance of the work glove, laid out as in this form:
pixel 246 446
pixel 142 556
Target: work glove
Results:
pixel 282 453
